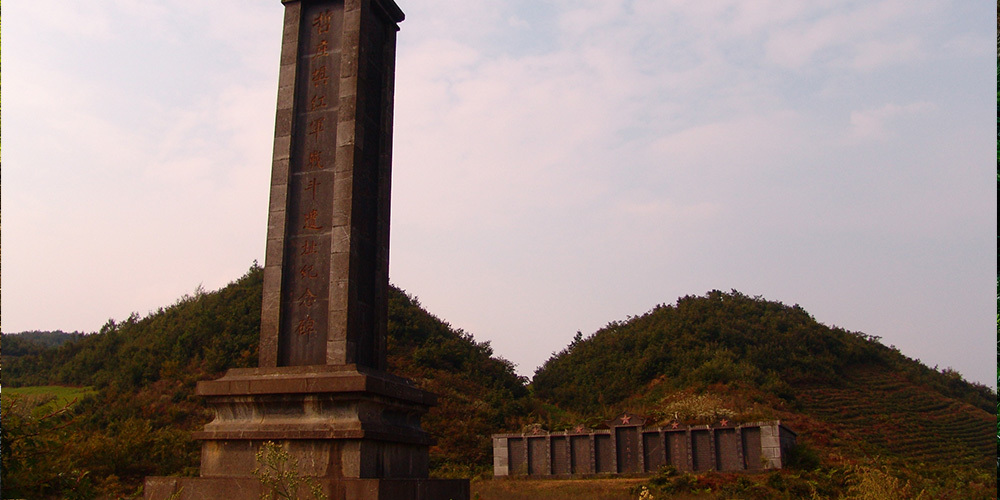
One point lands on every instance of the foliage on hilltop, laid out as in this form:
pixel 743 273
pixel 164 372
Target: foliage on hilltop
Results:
pixel 478 394
pixel 853 401
pixel 34 342
pixel 203 333
pixel 723 338
pixel 722 355
pixel 145 371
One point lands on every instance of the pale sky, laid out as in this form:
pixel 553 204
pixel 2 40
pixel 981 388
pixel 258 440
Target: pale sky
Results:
pixel 558 164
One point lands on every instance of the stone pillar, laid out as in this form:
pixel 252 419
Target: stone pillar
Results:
pixel 770 445
pixel 501 462
pixel 327 260
pixel 321 391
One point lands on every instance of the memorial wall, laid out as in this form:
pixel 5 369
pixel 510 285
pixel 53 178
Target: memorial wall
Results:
pixel 627 446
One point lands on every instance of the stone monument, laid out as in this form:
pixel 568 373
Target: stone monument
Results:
pixel 321 391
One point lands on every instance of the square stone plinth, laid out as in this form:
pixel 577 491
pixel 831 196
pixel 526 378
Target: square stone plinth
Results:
pixel 335 422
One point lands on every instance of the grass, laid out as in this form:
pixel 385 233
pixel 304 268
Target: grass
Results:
pixel 62 395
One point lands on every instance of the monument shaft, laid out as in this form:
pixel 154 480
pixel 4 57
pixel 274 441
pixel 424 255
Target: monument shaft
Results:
pixel 321 392
pixel 327 261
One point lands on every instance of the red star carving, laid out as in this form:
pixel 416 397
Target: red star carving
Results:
pixel 626 419
pixel 674 425
pixel 578 428
pixel 724 422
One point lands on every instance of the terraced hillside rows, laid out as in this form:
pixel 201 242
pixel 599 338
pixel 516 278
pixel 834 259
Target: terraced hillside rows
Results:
pixel 884 414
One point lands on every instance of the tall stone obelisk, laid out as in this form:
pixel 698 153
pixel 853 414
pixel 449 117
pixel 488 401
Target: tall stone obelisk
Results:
pixel 321 391
pixel 326 271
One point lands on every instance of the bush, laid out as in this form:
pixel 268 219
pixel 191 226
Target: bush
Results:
pixel 38 460
pixel 876 483
pixel 803 457
pixel 698 407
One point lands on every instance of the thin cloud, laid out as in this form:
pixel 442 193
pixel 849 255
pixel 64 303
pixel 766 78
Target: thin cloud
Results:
pixel 873 124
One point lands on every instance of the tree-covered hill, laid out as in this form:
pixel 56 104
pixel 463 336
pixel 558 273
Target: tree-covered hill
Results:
pixel 478 393
pixel 721 338
pixel 34 342
pixel 852 399
pixel 204 333
pixel 145 370
pixel 729 354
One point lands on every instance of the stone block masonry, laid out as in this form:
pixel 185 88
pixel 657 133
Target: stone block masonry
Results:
pixel 326 268
pixel 626 446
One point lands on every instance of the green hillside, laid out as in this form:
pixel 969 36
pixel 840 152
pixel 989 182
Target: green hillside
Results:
pixel 882 412
pixel 726 355
pixel 478 393
pixel 33 342
pixel 202 334
pixel 862 410
pixel 724 338
pixel 145 371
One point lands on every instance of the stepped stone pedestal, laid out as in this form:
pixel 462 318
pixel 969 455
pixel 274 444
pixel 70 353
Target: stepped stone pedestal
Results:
pixel 339 422
pixel 353 432
pixel 321 392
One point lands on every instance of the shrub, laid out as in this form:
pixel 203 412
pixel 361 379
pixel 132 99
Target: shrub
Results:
pixel 876 483
pixel 803 457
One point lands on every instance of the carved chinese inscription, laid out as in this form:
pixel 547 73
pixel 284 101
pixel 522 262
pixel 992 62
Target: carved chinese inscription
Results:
pixel 305 315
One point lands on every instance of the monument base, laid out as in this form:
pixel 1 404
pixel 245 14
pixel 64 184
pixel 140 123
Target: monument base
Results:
pixel 333 421
pixel 353 432
pixel 230 488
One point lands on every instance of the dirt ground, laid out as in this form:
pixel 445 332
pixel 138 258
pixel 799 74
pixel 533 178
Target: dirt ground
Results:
pixel 558 489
